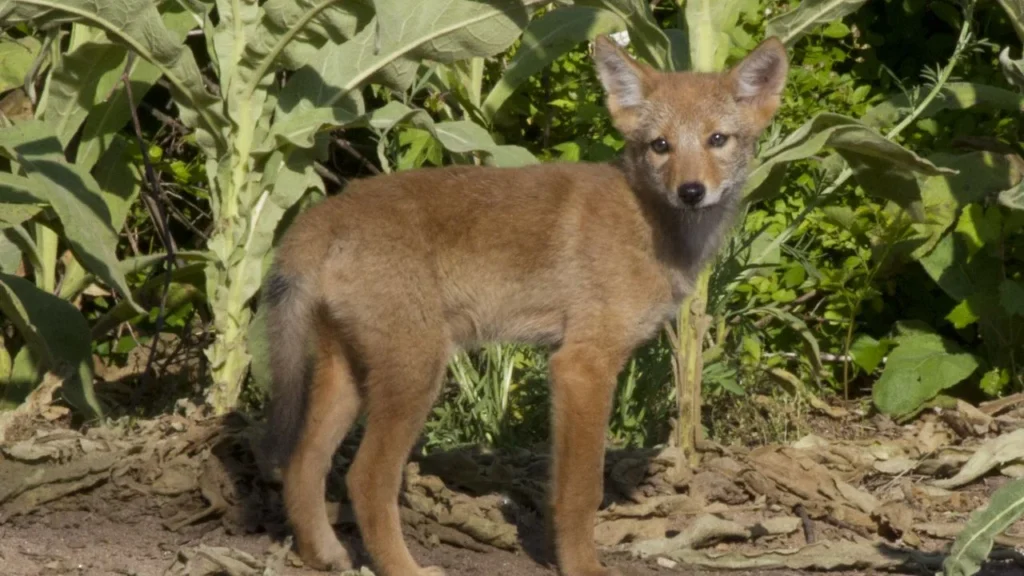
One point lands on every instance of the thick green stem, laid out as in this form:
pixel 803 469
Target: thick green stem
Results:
pixel 692 325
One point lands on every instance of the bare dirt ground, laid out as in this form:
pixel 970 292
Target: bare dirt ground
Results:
pixel 185 495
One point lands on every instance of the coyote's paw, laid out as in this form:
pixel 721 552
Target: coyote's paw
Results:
pixel 431 571
pixel 332 556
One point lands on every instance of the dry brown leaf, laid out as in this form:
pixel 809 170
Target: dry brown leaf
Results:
pixel 819 556
pixel 995 452
pixel 704 531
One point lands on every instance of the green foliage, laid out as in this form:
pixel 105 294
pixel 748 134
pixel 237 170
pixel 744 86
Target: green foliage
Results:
pixel 887 193
pixel 920 366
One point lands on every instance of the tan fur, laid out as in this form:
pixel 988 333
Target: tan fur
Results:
pixel 389 277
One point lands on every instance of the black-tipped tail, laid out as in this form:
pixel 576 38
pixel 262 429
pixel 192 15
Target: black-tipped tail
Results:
pixel 289 308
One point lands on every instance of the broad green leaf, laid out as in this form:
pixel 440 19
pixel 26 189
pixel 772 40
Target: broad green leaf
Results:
pixel 952 96
pixel 882 167
pixel 15 214
pixel 82 79
pixel 16 57
pixel 300 128
pixel 544 40
pixel 56 331
pixel 236 25
pixel 10 252
pixel 795 24
pixel 457 136
pixel 293 30
pixel 868 352
pixel 708 23
pixel 73 194
pixel 138 25
pixel 979 226
pixel 111 111
pixel 1011 297
pixel 390 47
pixel 959 275
pixel 973 545
pixel 921 366
pixel 646 35
pixel 117 180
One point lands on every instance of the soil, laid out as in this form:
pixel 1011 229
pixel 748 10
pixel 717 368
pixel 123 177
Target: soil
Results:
pixel 186 495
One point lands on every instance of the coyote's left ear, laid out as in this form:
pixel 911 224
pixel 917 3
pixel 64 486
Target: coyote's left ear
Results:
pixel 626 83
pixel 759 78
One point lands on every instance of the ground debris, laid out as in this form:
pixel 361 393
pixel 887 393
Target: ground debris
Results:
pixel 892 500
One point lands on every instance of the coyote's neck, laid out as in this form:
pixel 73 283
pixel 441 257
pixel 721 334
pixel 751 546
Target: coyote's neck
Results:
pixel 685 240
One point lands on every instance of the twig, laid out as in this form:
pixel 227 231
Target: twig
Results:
pixel 806 522
pixel 348 147
pixel 156 213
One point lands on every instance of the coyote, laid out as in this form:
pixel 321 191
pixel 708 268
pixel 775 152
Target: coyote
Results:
pixel 372 290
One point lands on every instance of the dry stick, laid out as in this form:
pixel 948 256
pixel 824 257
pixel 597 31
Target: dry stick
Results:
pixel 806 522
pixel 156 213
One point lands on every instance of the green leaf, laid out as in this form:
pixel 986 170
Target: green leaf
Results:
pixel 962 315
pixel 457 136
pixel 795 24
pixel 544 40
pixel 73 194
pixel 979 226
pixel 994 381
pixel 952 96
pixel 15 214
pixel 882 167
pixel 645 34
pixel 1011 297
pixel 111 111
pixel 138 25
pixel 708 23
pixel 921 366
pixel 972 546
pixel 82 79
pixel 836 29
pixel 390 47
pixel 958 275
pixel 293 30
pixel 16 57
pixel 10 252
pixel 868 352
pixel 57 334
pixel 794 276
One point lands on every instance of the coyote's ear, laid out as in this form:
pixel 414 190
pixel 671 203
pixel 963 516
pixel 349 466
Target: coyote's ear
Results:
pixel 626 82
pixel 758 79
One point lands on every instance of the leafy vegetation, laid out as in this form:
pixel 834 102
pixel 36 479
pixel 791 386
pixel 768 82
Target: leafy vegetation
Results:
pixel 152 152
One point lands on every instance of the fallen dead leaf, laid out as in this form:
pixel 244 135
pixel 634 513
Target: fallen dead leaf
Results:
pixel 995 452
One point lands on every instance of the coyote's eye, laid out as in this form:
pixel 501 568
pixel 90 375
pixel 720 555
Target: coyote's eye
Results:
pixel 659 145
pixel 717 140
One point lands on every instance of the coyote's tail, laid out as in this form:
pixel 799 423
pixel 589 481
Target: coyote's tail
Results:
pixel 289 306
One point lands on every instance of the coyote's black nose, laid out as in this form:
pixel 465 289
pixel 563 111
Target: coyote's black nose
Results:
pixel 691 193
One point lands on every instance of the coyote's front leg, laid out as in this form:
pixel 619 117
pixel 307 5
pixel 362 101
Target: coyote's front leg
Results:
pixel 583 380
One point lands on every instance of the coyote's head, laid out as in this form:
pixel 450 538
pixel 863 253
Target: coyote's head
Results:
pixel 690 136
